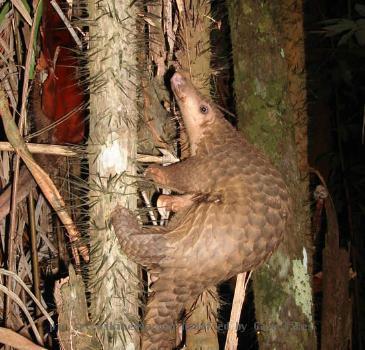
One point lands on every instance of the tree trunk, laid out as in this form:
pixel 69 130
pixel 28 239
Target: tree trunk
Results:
pixel 336 318
pixel 112 149
pixel 269 84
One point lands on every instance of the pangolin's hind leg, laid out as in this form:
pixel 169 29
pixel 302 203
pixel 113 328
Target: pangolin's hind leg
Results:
pixel 163 312
pixel 145 246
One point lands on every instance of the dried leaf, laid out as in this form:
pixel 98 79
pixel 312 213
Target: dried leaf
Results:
pixel 22 10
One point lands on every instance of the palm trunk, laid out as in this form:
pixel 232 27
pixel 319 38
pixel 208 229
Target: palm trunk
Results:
pixel 112 149
pixel 269 84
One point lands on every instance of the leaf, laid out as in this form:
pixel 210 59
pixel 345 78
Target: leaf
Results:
pixel 180 5
pixel 360 33
pixel 360 37
pixel 361 23
pixel 358 169
pixel 362 208
pixel 22 8
pixel 36 22
pixel 26 5
pixel 151 22
pixel 360 9
pixel 345 38
pixel 4 11
pixel 338 26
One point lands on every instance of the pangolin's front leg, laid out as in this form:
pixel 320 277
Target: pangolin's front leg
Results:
pixel 188 176
pixel 177 203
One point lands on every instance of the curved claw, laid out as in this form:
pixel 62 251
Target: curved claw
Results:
pixel 175 203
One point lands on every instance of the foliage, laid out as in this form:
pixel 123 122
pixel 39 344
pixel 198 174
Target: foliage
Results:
pixel 337 88
pixel 347 29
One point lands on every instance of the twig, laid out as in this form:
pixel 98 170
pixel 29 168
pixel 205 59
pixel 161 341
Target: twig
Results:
pixel 67 23
pixel 21 282
pixel 148 205
pixel 34 252
pixel 145 158
pixel 25 184
pixel 57 150
pixel 77 151
pixel 8 89
pixel 238 299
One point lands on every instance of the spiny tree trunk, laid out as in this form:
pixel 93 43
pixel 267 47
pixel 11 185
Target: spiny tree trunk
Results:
pixel 112 147
pixel 194 56
pixel 269 83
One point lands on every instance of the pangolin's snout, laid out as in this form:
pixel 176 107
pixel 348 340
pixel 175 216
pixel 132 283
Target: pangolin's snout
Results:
pixel 178 82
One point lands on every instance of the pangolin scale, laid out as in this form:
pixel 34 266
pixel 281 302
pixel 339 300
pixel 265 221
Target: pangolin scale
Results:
pixel 234 213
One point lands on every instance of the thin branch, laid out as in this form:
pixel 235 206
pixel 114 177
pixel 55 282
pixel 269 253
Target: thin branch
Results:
pixel 67 23
pixel 148 205
pixel 238 299
pixel 56 150
pixel 14 297
pixel 77 151
pixel 34 253
pixel 21 282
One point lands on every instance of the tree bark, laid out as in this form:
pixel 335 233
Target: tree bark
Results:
pixel 269 84
pixel 336 317
pixel 112 151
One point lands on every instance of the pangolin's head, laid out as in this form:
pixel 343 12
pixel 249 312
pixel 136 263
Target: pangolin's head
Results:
pixel 198 112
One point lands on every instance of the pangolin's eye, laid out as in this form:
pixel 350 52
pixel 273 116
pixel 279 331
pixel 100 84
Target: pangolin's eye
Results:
pixel 204 109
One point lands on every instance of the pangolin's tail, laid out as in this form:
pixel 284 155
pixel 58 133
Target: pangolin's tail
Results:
pixel 145 246
pixel 163 311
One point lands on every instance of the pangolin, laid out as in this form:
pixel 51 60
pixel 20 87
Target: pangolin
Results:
pixel 234 210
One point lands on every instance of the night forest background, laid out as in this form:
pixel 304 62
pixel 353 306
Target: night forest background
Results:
pixel 334 133
pixel 336 128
